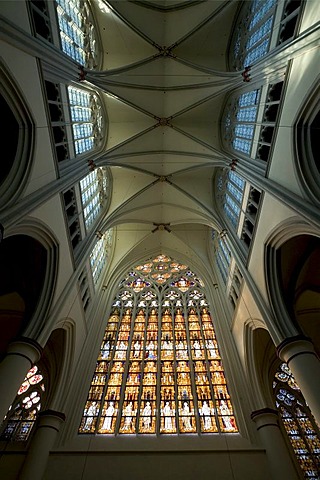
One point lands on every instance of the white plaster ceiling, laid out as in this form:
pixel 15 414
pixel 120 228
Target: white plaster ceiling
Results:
pixel 165 78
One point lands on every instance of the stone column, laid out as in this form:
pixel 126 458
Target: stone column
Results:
pixel 280 462
pixel 21 355
pixel 42 442
pixel 300 356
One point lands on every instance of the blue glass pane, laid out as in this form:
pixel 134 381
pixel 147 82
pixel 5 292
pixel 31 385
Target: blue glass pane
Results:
pixel 242 145
pixel 70 23
pixel 232 204
pixel 248 98
pixel 237 194
pixel 244 131
pixel 260 8
pixel 261 32
pixel 247 114
pixel 237 180
pixel 230 215
pixel 257 52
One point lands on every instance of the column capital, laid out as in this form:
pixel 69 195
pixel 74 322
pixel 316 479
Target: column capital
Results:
pixel 265 417
pixel 263 411
pixel 294 346
pixel 51 419
pixel 27 348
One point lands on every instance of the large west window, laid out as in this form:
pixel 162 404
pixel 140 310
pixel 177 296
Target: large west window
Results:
pixel 159 369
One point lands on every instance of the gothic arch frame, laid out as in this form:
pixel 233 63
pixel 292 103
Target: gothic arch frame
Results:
pixel 282 233
pixel 40 232
pixel 304 158
pixel 63 371
pixel 18 175
pixel 256 377
pixel 229 353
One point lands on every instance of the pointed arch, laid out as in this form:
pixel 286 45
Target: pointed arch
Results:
pixel 287 250
pixel 159 370
pixel 18 137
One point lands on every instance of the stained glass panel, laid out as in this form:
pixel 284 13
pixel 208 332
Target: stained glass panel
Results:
pixel 22 414
pixel 76 32
pixel 159 370
pixel 298 421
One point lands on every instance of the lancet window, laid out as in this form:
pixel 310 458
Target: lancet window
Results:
pixel 21 417
pixel 298 421
pixel 159 370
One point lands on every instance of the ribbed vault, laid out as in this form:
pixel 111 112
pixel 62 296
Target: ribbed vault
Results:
pixel 164 79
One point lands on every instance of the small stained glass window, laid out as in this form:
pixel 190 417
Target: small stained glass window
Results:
pixel 21 417
pixel 298 421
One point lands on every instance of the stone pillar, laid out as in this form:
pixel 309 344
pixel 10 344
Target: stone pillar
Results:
pixel 279 459
pixel 43 440
pixel 300 356
pixel 21 355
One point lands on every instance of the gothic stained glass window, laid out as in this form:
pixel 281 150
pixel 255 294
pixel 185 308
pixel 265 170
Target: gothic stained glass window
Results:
pixel 21 417
pixel 233 196
pixel 252 34
pixel 94 189
pixel 239 120
pixel 223 258
pixel 159 370
pixel 300 425
pixel 99 254
pixel 86 119
pixel 76 29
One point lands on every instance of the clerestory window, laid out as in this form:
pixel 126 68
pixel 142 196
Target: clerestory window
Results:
pixel 76 29
pixel 86 119
pixel 251 39
pixel 100 254
pixel 94 192
pixel 239 121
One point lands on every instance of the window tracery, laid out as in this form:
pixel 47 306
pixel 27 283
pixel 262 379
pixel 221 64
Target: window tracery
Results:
pixel 299 424
pixel 22 415
pixel 159 370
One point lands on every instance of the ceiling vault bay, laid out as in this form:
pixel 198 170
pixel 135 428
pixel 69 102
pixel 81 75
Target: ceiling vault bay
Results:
pixel 164 80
